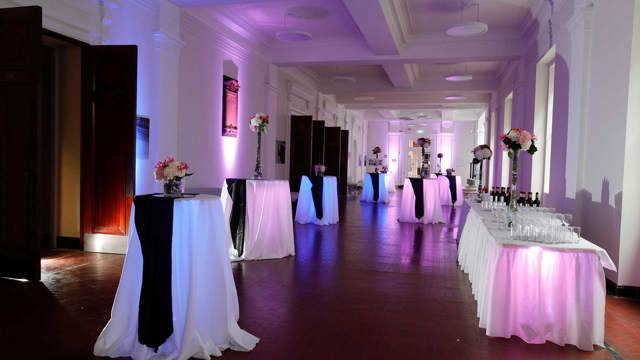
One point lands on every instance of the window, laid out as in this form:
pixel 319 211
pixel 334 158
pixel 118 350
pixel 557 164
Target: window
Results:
pixel 543 122
pixel 508 106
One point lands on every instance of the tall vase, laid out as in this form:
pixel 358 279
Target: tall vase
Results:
pixel 514 179
pixel 257 173
pixel 479 194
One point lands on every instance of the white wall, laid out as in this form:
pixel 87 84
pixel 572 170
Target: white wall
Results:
pixel 593 117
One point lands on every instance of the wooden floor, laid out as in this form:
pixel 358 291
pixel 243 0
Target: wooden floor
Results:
pixel 368 288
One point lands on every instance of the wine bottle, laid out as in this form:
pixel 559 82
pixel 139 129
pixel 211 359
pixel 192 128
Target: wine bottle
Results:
pixel 536 202
pixel 493 193
pixel 521 199
pixel 529 201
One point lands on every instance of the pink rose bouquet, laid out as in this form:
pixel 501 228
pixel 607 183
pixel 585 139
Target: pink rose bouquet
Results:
pixel 519 139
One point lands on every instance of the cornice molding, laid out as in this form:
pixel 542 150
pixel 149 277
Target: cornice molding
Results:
pixel 163 39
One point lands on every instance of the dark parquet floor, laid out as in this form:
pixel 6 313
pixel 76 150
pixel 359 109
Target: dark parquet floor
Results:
pixel 368 288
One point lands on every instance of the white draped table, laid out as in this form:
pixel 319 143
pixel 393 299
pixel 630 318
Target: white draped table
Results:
pixel 367 189
pixel 538 292
pixel 203 293
pixel 268 223
pixel 391 182
pixel 431 201
pixel 445 191
pixel 306 211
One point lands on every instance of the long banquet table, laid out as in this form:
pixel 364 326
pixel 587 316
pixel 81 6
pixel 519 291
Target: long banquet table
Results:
pixel 327 197
pixel 198 313
pixel 259 216
pixel 538 292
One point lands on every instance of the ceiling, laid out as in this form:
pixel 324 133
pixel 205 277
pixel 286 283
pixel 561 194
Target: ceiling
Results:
pixel 387 54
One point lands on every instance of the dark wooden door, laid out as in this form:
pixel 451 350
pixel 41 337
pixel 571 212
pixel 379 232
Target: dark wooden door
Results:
pixel 108 138
pixel 332 150
pixel 21 167
pixel 344 162
pixel 300 154
pixel 317 144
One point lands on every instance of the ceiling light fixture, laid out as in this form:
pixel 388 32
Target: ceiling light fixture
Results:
pixel 468 28
pixel 344 79
pixel 292 35
pixel 455 97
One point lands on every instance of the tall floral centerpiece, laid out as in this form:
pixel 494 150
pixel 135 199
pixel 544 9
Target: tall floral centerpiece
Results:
pixel 440 156
pixel 513 142
pixel 376 151
pixel 481 153
pixel 425 169
pixel 258 124
pixel 171 172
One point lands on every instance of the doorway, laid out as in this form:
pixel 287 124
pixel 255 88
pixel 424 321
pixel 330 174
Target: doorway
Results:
pixel 61 112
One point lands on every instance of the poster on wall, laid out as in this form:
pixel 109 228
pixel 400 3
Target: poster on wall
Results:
pixel 230 106
pixel 281 147
pixel 142 137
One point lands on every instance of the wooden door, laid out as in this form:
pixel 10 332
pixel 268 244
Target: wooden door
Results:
pixel 21 149
pixel 344 162
pixel 317 144
pixel 332 150
pixel 300 149
pixel 108 138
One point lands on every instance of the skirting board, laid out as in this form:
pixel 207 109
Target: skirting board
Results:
pixel 103 243
pixel 632 292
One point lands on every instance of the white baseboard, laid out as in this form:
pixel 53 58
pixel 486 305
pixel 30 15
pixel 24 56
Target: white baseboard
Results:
pixel 103 243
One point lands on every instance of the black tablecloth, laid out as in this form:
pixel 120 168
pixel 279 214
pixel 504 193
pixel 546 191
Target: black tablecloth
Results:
pixel 375 182
pixel 453 188
pixel 154 225
pixel 237 189
pixel 317 183
pixel 416 184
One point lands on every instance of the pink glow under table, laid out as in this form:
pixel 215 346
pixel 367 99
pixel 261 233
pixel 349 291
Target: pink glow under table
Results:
pixel 431 200
pixel 538 292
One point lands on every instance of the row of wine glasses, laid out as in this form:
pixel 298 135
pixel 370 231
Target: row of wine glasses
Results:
pixel 539 224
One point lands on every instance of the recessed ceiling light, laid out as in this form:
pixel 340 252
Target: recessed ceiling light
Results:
pixel 420 131
pixel 308 12
pixel 459 77
pixel 466 29
pixel 455 97
pixel 291 35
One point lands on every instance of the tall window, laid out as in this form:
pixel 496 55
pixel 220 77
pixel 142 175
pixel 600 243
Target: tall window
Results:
pixel 492 145
pixel 543 122
pixel 508 106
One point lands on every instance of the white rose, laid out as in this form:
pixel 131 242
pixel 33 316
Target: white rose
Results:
pixel 255 121
pixel 486 153
pixel 526 145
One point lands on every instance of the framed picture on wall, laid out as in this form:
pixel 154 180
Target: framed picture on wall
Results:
pixel 230 89
pixel 142 137
pixel 281 148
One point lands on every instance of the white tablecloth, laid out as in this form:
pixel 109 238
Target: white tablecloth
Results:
pixel 391 182
pixel 203 293
pixel 268 231
pixel 535 291
pixel 306 211
pixel 367 189
pixel 432 203
pixel 445 191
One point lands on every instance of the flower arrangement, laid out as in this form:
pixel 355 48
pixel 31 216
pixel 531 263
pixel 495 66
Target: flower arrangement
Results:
pixel 258 123
pixel 482 152
pixel 232 85
pixel 319 169
pixel 171 172
pixel 376 150
pixel 513 141
pixel 519 139
pixel 422 142
pixel 440 155
pixel 384 170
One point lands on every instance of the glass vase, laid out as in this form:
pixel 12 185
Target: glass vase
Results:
pixel 514 154
pixel 257 172
pixel 173 187
pixel 479 194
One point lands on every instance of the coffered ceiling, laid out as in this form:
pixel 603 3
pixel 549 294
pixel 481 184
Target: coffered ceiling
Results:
pixel 386 53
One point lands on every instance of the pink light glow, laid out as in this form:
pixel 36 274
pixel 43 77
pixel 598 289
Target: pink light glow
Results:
pixel 447 148
pixel 393 153
pixel 229 150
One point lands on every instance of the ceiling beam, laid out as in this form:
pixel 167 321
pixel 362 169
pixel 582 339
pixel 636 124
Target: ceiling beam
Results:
pixel 401 75
pixel 376 23
pixel 187 3
pixel 355 53
pixel 377 88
